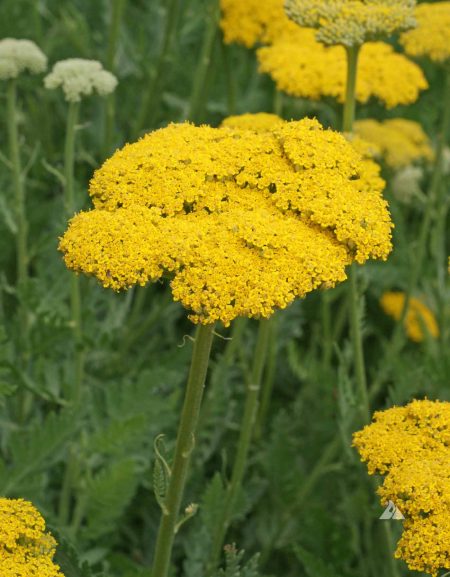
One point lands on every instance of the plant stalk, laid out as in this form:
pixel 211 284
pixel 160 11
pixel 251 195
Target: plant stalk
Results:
pixel 245 436
pixel 152 96
pixel 184 446
pixel 20 215
pixel 197 100
pixel 75 293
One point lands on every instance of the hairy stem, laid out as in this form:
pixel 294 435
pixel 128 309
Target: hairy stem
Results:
pixel 184 446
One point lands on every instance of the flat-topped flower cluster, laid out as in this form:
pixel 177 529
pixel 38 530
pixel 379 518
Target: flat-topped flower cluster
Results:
pixel 352 22
pixel 411 446
pixel 241 222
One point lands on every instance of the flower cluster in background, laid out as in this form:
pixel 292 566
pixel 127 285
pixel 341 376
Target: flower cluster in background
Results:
pixel 17 56
pixel 419 320
pixel 78 77
pixel 431 38
pixel 411 446
pixel 398 141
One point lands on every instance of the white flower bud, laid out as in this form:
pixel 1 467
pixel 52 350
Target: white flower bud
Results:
pixel 79 77
pixel 17 56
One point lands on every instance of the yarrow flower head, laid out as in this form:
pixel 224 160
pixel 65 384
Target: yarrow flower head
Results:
pixel 17 56
pixel 411 446
pixel 419 318
pixel 431 38
pixel 79 77
pixel 303 67
pixel 352 22
pixel 400 141
pixel 253 21
pixel 26 549
pixel 241 222
pixel 258 122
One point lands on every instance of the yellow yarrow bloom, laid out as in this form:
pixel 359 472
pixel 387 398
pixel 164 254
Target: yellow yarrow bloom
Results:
pixel 258 122
pixel 352 22
pixel 401 142
pixel 411 446
pixel 431 38
pixel 253 21
pixel 302 67
pixel 417 316
pixel 241 222
pixel 26 549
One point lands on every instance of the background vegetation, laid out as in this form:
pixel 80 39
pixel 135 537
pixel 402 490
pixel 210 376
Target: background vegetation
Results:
pixel 307 507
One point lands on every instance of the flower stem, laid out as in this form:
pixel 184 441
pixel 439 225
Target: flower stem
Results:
pixel 117 11
pixel 245 436
pixel 354 299
pixel 75 296
pixel 20 215
pixel 198 88
pixel 350 91
pixel 183 449
pixel 152 95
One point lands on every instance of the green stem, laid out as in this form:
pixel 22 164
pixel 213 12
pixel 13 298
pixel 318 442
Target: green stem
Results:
pixel 269 378
pixel 278 102
pixel 229 77
pixel 198 88
pixel 118 8
pixel 184 445
pixel 245 436
pixel 70 207
pixel 356 332
pixel 327 339
pixel 20 214
pixel 354 300
pixel 350 91
pixel 152 96
pixel 69 158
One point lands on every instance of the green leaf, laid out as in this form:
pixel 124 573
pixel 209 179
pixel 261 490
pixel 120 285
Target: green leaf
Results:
pixel 108 495
pixel 314 566
pixel 37 448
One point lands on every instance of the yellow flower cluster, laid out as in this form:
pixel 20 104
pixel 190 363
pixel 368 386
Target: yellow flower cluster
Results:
pixel 258 122
pixel 352 22
pixel 242 222
pixel 253 21
pixel 26 550
pixel 432 36
pixel 302 67
pixel 419 318
pixel 401 142
pixel 411 446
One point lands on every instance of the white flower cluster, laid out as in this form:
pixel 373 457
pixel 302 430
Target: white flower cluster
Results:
pixel 16 56
pixel 79 77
